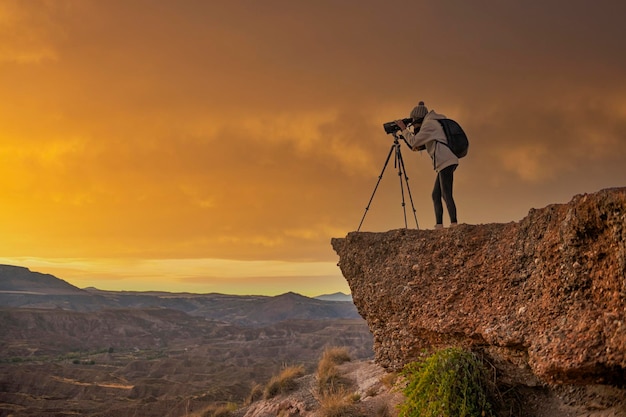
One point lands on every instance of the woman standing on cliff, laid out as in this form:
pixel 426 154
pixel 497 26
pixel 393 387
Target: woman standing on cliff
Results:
pixel 428 134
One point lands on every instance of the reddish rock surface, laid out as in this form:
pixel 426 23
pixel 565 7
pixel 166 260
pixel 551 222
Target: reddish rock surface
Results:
pixel 543 298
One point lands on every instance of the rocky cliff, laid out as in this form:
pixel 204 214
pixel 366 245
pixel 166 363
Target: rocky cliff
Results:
pixel 543 298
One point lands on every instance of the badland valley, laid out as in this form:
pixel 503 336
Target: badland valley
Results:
pixel 69 351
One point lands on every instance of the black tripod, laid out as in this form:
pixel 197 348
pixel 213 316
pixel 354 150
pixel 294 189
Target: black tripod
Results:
pixel 398 163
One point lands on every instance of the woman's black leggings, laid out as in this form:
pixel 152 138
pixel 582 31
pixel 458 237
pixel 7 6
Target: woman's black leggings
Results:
pixel 443 190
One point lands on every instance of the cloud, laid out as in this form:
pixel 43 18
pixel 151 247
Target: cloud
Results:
pixel 25 32
pixel 252 132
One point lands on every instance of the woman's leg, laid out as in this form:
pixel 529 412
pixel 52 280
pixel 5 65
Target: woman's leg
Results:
pixel 446 180
pixel 437 201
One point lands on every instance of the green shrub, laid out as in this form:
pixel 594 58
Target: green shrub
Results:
pixel 450 383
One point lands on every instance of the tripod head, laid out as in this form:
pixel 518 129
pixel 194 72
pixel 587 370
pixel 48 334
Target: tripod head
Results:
pixel 396 139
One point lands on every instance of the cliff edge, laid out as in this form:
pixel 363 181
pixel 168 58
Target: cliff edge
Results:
pixel 543 298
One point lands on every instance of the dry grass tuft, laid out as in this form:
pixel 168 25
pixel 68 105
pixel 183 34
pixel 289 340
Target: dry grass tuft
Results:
pixel 283 382
pixel 335 398
pixel 389 379
pixel 256 393
pixel 328 376
pixel 224 410
pixel 337 355
pixel 339 404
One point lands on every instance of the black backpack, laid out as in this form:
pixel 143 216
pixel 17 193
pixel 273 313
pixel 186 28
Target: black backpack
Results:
pixel 457 139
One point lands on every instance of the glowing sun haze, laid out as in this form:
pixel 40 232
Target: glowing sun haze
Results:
pixel 218 146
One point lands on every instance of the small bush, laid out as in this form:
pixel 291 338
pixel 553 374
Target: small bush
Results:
pixel 450 383
pixel 283 382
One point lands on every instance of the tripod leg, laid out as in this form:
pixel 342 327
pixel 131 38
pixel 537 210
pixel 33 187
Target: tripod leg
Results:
pixel 398 164
pixel 380 177
pixel 402 169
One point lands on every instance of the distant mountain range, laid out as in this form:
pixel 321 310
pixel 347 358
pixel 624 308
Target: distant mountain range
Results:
pixel 17 279
pixel 338 296
pixel 22 288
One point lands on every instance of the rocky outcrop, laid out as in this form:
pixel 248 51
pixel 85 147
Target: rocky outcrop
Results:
pixel 544 298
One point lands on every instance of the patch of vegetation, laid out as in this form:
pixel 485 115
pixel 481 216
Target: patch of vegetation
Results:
pixel 335 398
pixel 339 404
pixel 389 379
pixel 256 393
pixel 329 379
pixel 450 383
pixel 69 356
pixel 225 410
pixel 216 410
pixel 283 382
pixel 84 362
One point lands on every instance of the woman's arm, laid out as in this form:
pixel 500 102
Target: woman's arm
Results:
pixel 425 135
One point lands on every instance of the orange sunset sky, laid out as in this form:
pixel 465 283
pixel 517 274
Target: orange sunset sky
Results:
pixel 218 146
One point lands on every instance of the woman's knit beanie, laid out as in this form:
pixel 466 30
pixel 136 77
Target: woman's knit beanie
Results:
pixel 419 111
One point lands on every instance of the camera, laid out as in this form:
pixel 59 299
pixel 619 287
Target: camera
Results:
pixel 392 127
